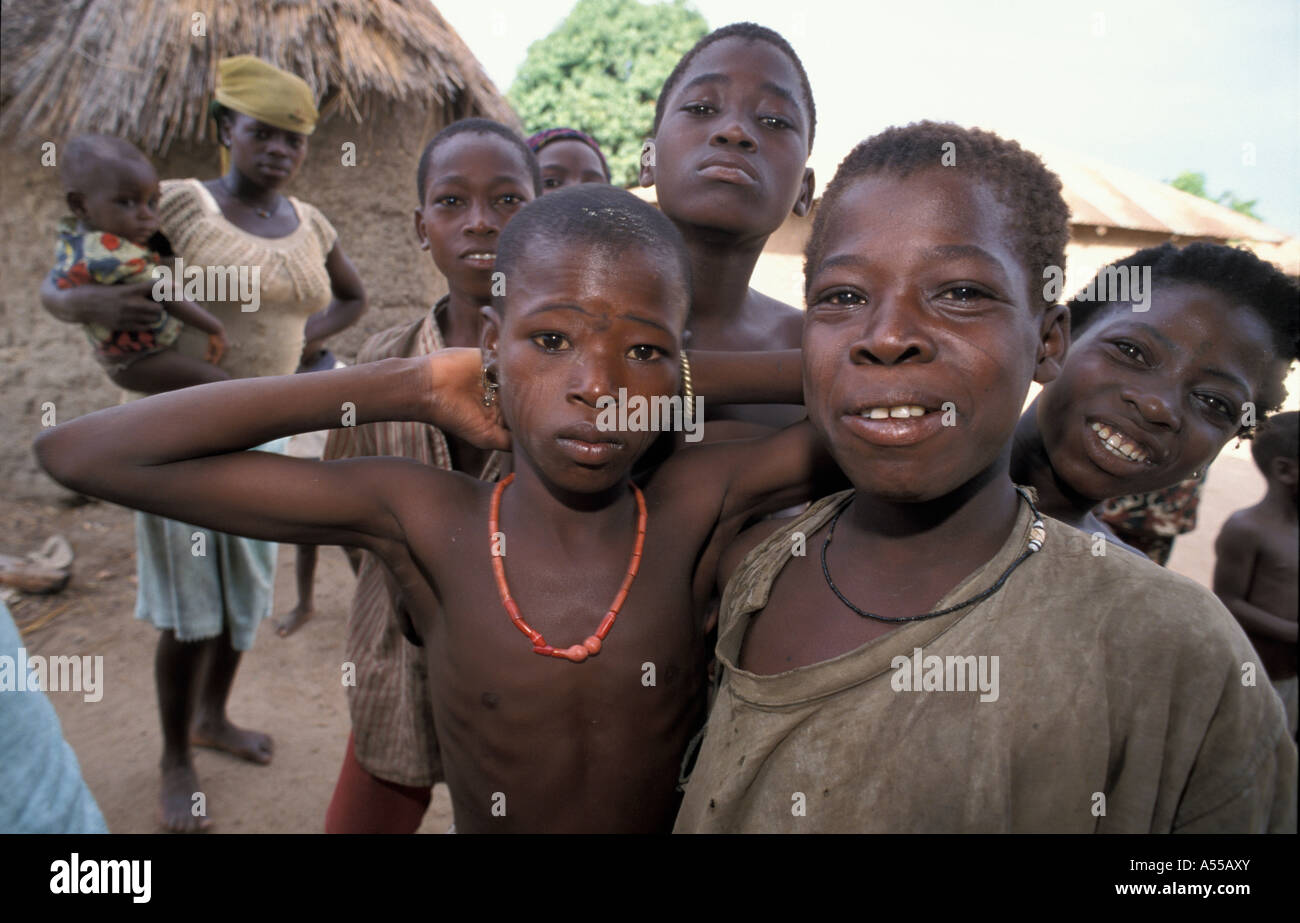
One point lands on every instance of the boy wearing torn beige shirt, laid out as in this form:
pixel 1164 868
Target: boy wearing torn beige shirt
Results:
pixel 926 653
pixel 1107 695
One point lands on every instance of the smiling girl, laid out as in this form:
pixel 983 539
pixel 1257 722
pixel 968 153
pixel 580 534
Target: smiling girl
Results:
pixel 1147 398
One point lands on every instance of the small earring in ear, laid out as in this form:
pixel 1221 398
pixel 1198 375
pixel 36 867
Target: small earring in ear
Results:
pixel 688 390
pixel 490 389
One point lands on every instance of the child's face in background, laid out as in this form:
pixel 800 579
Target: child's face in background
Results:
pixel 919 300
pixel 582 322
pixel 731 150
pixel 124 202
pixel 264 154
pixel 474 184
pixel 569 162
pixel 1165 388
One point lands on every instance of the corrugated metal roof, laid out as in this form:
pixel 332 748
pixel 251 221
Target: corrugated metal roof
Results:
pixel 1113 197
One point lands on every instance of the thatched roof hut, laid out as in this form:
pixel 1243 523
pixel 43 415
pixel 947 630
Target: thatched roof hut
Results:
pixel 388 74
pixel 140 71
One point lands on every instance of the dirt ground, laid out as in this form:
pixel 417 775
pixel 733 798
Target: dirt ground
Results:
pixel 290 687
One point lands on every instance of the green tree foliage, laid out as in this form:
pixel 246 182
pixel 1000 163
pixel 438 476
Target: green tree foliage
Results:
pixel 601 71
pixel 1194 183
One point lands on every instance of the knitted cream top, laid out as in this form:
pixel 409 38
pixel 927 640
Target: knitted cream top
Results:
pixel 293 282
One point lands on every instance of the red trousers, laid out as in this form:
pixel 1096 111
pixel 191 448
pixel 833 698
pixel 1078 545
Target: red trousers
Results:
pixel 364 803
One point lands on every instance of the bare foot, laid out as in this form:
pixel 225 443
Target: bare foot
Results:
pixel 253 746
pixel 294 619
pixel 177 807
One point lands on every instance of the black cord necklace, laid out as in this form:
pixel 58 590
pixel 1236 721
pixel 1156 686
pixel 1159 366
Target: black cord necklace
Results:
pixel 1037 535
pixel 261 212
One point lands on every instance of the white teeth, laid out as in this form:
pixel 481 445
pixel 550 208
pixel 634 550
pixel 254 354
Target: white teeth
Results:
pixel 901 412
pixel 1117 444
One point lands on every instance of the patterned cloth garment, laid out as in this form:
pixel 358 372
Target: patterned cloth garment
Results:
pixel 83 257
pixel 1150 522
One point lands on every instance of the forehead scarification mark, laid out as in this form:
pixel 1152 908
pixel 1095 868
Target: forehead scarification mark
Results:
pixel 614 215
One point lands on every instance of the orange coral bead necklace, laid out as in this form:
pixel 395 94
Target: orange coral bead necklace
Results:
pixel 577 652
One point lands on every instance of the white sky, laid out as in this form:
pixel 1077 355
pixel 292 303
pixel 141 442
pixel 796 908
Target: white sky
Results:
pixel 1157 86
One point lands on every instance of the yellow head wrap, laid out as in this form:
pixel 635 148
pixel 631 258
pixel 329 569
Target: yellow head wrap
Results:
pixel 251 86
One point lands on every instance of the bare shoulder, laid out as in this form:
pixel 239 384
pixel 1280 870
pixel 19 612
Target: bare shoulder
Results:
pixel 697 476
pixel 692 481
pixel 409 485
pixel 417 495
pixel 783 323
pixel 1242 527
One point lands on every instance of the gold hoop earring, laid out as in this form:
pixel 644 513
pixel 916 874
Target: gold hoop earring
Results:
pixel 490 389
pixel 688 392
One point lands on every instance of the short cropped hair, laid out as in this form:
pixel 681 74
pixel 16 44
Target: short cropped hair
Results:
pixel 1232 271
pixel 751 32
pixel 604 217
pixel 1039 219
pixel 540 139
pixel 1277 437
pixel 86 157
pixel 478 127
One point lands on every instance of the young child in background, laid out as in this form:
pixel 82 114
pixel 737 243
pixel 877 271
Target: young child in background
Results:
pixel 927 652
pixel 1256 571
pixel 568 157
pixel 113 192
